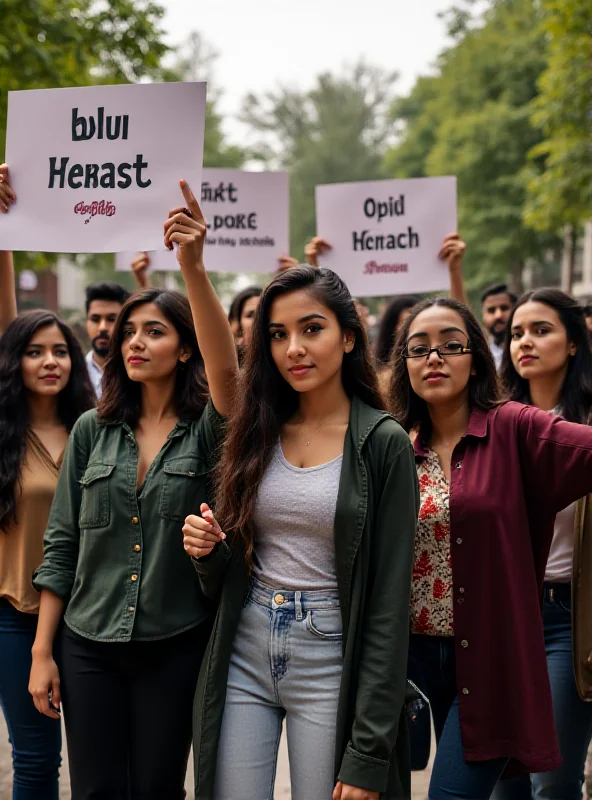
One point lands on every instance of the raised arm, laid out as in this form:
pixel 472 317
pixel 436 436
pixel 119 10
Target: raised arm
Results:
pixel 315 248
pixel 556 458
pixel 140 266
pixel 8 309
pixel 453 251
pixel 216 342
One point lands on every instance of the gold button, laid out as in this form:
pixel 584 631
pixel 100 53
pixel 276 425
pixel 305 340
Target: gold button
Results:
pixel 279 599
pixel 135 520
pixel 131 609
pixel 137 548
pixel 465 691
pixel 464 643
pixel 134 577
pixel 459 540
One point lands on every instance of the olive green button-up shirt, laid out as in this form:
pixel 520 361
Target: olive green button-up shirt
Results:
pixel 114 553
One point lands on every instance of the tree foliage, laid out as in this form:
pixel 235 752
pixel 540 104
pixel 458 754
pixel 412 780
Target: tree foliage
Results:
pixel 560 171
pixel 337 131
pixel 472 119
pixel 195 61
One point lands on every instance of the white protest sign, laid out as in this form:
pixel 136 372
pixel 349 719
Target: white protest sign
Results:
pixel 386 235
pixel 96 169
pixel 248 218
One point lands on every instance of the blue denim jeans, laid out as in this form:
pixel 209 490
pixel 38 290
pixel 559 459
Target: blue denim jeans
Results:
pixel 573 718
pixel 432 665
pixel 36 740
pixel 286 663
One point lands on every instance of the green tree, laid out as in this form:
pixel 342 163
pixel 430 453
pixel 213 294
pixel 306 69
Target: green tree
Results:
pixel 472 119
pixel 560 170
pixel 195 62
pixel 337 131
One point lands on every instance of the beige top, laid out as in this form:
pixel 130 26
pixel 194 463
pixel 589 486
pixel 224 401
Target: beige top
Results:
pixel 21 548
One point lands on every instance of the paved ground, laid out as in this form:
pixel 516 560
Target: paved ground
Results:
pixel 282 789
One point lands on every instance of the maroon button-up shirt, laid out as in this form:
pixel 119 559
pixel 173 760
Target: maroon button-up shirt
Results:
pixel 512 471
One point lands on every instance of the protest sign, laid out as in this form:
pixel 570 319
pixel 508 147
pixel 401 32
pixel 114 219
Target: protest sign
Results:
pixel 248 218
pixel 386 235
pixel 96 169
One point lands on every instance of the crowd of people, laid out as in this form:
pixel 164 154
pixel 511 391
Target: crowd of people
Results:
pixel 219 523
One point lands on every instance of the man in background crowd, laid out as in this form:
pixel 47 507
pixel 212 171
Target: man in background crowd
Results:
pixel 103 303
pixel 496 305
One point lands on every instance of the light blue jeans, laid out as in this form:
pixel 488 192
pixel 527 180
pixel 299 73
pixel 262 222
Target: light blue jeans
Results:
pixel 286 663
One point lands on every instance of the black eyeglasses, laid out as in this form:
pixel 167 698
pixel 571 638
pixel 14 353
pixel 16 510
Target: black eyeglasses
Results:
pixel 422 350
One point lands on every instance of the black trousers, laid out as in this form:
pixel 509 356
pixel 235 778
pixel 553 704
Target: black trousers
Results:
pixel 128 714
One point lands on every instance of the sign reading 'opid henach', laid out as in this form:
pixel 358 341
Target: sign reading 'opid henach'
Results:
pixel 96 169
pixel 386 235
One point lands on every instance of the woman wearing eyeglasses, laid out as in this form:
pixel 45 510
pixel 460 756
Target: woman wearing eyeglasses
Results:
pixel 492 478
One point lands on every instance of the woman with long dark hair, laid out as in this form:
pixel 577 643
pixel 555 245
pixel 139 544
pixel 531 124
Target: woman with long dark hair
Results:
pixel 136 622
pixel 492 476
pixel 548 364
pixel 316 494
pixel 44 388
pixel 242 314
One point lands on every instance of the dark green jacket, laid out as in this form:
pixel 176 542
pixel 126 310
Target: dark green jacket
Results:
pixel 375 523
pixel 115 555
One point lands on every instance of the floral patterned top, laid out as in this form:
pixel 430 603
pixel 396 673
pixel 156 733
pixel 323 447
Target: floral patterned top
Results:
pixel 431 591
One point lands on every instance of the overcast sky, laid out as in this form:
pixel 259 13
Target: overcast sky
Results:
pixel 263 43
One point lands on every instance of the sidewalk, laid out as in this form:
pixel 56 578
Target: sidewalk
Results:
pixel 282 786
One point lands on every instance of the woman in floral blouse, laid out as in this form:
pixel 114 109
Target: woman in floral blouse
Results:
pixel 493 477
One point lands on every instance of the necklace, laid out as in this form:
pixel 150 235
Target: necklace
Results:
pixel 306 444
pixel 323 425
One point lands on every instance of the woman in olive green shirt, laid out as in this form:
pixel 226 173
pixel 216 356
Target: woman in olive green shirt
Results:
pixel 136 622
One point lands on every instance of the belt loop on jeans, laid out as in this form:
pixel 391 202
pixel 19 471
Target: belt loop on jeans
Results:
pixel 554 592
pixel 298 606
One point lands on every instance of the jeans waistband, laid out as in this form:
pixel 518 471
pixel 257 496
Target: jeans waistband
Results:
pixel 290 600
pixel 556 592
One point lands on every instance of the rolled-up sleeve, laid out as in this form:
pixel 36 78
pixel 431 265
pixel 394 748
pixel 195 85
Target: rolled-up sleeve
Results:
pixel 62 536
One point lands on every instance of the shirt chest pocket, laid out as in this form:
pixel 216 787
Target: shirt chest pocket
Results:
pixel 183 487
pixel 95 507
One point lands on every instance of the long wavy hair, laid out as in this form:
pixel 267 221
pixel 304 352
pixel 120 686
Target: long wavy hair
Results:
pixel 265 401
pixel 122 397
pixel 576 392
pixel 385 340
pixel 410 409
pixel 76 397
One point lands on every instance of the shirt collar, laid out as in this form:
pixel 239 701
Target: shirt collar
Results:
pixel 477 427
pixel 91 363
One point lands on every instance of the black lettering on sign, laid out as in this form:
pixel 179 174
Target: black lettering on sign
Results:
pixel 113 127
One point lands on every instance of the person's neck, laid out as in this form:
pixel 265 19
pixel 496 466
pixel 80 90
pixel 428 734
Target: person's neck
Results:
pixel 157 403
pixel 100 361
pixel 449 421
pixel 327 403
pixel 43 412
pixel 545 392
pixel 498 338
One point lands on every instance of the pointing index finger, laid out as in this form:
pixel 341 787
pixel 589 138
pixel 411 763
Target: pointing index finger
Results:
pixel 192 203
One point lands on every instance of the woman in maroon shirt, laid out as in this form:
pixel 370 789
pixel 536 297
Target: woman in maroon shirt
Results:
pixel 493 477
pixel 547 363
